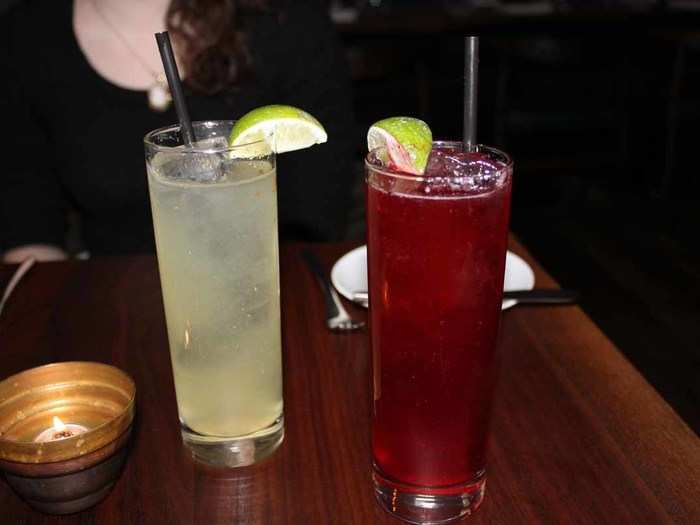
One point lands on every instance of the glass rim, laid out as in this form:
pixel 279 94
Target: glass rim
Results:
pixel 507 160
pixel 149 137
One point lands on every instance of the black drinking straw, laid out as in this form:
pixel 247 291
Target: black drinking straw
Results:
pixel 173 76
pixel 471 74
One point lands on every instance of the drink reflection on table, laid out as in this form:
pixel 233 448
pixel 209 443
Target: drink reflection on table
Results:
pixel 226 496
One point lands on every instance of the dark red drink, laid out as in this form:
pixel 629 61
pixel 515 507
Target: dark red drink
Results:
pixel 437 248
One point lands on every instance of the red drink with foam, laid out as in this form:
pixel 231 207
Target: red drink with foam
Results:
pixel 436 258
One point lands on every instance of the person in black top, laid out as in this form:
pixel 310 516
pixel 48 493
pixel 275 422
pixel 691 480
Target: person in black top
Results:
pixel 75 106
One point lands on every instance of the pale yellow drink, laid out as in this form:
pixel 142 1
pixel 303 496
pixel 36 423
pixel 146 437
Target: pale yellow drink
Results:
pixel 218 259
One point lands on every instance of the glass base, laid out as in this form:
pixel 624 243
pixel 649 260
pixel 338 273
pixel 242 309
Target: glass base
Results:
pixel 238 451
pixel 428 505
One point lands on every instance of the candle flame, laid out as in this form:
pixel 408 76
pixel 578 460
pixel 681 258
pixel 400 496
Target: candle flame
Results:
pixel 58 424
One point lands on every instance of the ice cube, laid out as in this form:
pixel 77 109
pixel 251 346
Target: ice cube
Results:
pixel 193 166
pixel 202 167
pixel 454 170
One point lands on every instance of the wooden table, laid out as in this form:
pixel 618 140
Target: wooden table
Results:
pixel 578 435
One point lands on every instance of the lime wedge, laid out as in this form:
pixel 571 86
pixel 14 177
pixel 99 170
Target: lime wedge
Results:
pixel 407 140
pixel 281 128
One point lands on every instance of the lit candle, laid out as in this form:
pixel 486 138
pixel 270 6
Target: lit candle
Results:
pixel 60 430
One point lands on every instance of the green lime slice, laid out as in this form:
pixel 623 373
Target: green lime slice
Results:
pixel 281 128
pixel 407 140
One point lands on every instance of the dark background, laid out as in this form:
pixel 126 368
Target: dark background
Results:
pixel 599 103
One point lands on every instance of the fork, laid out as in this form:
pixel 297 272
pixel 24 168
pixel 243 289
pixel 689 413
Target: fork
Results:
pixel 337 319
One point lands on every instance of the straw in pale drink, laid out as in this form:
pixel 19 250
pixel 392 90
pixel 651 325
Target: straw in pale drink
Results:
pixel 218 258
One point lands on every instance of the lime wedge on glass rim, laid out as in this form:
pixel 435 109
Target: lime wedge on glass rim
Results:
pixel 280 128
pixel 407 142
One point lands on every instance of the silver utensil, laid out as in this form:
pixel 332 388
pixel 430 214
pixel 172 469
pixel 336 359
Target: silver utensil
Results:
pixel 534 296
pixel 16 278
pixel 337 319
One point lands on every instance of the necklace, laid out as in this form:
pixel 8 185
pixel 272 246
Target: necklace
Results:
pixel 159 98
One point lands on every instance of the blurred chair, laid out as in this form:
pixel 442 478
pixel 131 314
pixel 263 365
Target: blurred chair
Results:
pixel 561 109
pixel 6 4
pixel 682 119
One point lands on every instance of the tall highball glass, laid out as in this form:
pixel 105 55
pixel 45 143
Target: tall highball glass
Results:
pixel 215 221
pixel 436 253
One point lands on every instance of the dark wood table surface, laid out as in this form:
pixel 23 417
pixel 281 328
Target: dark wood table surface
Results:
pixel 579 437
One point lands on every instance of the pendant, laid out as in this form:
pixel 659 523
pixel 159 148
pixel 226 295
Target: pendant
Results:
pixel 159 98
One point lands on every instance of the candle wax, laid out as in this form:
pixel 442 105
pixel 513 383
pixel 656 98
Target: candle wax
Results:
pixel 60 430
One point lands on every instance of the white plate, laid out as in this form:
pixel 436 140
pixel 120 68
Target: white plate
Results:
pixel 349 274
